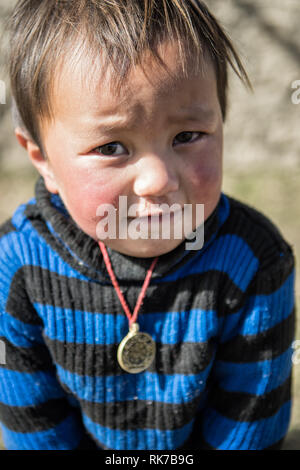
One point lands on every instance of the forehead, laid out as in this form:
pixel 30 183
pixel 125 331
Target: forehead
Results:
pixel 90 85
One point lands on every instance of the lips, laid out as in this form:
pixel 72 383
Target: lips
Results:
pixel 156 214
pixel 145 215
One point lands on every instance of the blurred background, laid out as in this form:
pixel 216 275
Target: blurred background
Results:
pixel 262 132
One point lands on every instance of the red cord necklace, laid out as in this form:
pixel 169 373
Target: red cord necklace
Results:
pixel 137 350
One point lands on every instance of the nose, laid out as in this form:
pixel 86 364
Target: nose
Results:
pixel 155 177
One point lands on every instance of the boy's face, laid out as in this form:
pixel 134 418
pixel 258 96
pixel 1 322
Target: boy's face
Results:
pixel 159 140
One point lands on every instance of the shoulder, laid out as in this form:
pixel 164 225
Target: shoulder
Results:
pixel 15 233
pixel 17 241
pixel 263 265
pixel 259 233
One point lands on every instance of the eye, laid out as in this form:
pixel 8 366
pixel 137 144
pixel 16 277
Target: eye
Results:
pixel 187 137
pixel 111 149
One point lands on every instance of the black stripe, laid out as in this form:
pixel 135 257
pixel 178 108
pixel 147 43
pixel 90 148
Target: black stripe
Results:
pixel 258 231
pixel 212 290
pixel 248 407
pixel 97 360
pixel 266 282
pixel 128 415
pixel 261 347
pixel 34 418
pixel 183 358
pixel 31 359
pixel 276 446
pixel 193 291
pixel 87 443
pixel 197 442
pixel 18 304
pixel 6 228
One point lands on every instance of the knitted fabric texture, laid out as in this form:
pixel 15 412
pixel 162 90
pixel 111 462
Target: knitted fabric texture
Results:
pixel 222 319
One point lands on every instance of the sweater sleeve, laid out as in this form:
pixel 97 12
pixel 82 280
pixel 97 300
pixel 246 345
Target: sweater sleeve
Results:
pixel 35 412
pixel 249 402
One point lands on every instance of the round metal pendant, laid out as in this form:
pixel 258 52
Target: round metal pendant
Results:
pixel 136 351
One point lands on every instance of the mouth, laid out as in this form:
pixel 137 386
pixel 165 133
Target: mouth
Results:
pixel 159 214
pixel 156 218
pixel 145 215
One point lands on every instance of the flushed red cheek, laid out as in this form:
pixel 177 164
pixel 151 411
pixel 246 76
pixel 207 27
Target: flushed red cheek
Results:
pixel 84 201
pixel 206 178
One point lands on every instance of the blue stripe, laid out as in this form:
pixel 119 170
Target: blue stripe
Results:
pixel 57 202
pixel 261 312
pixel 193 326
pixel 24 389
pixel 258 377
pixel 19 333
pixel 224 209
pixel 19 218
pixel 44 257
pixel 176 389
pixel 139 439
pixel 66 246
pixel 9 265
pixel 231 325
pixel 76 326
pixel 266 311
pixel 65 436
pixel 232 435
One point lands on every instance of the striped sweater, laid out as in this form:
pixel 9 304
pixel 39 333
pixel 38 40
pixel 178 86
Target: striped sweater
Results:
pixel 222 318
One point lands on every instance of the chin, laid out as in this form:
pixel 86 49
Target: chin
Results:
pixel 143 248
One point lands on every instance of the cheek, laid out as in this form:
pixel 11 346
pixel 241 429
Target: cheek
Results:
pixel 206 174
pixel 85 191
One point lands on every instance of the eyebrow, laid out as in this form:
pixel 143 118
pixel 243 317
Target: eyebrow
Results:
pixel 194 113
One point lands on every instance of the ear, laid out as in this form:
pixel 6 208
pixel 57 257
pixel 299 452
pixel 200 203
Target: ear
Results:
pixel 41 163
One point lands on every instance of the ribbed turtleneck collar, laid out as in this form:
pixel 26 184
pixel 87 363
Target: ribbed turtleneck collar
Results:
pixel 84 253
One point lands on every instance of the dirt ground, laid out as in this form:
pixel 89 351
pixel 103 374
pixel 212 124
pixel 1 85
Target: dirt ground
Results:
pixel 262 138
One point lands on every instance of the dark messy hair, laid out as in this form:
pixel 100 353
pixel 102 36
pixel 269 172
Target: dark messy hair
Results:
pixel 44 33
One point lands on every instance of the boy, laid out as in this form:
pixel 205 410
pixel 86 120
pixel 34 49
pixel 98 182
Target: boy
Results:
pixel 128 98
